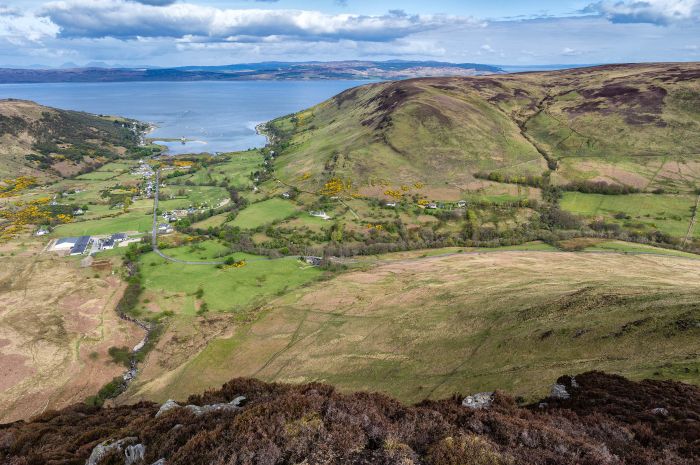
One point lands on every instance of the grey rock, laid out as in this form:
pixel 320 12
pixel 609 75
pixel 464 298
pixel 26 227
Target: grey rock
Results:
pixel 574 384
pixel 559 392
pixel 134 454
pixel 200 410
pixel 478 401
pixel 167 406
pixel 159 462
pixel 106 447
pixel 660 411
pixel 235 404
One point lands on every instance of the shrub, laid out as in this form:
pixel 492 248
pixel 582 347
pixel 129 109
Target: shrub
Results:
pixel 465 450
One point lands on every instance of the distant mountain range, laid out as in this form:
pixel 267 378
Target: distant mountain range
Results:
pixel 360 70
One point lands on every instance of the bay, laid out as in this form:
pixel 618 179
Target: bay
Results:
pixel 211 116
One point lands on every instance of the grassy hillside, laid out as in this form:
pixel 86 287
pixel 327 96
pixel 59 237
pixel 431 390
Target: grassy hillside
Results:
pixel 633 125
pixel 422 327
pixel 48 143
pixel 57 321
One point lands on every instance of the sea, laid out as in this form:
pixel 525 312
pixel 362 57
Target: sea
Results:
pixel 211 116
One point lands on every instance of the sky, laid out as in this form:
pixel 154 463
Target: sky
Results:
pixel 215 32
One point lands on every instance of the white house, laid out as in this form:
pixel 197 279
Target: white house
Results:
pixel 320 214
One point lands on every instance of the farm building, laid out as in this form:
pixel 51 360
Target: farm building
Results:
pixel 72 245
pixel 80 246
pixel 64 244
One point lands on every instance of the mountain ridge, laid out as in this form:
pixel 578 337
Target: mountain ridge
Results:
pixel 580 124
pixel 360 70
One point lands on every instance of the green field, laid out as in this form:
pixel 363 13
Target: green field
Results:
pixel 172 285
pixel 235 170
pixel 135 220
pixel 265 212
pixel 667 213
pixel 196 196
pixel 632 248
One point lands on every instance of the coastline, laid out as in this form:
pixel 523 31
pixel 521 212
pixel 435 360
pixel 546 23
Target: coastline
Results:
pixel 261 129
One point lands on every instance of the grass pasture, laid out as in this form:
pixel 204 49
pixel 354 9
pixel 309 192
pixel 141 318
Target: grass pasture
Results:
pixel 265 212
pixel 236 170
pixel 172 285
pixel 429 327
pixel 667 213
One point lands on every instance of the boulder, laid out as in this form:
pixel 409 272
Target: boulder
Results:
pixel 563 388
pixel 106 447
pixel 134 454
pixel 167 406
pixel 478 401
pixel 559 391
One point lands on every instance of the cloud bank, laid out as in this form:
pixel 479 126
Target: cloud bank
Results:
pixel 126 20
pixel 660 12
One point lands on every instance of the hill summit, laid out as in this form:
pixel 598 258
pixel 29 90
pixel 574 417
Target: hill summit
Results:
pixel 627 125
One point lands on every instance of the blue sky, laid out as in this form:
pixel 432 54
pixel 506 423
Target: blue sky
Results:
pixel 209 32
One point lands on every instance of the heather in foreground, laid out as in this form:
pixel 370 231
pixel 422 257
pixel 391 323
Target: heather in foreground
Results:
pixel 593 418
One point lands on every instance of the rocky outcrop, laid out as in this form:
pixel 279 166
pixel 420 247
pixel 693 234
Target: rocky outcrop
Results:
pixel 607 420
pixel 478 401
pixel 559 391
pixel 235 404
pixel 562 389
pixel 104 448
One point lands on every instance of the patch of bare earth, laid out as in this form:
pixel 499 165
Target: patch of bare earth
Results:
pixel 57 322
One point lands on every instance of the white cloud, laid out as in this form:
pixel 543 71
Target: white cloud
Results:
pixel 18 28
pixel 126 20
pixel 570 52
pixel 661 12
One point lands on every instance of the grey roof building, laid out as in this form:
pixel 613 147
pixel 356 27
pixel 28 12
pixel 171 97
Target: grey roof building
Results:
pixel 80 246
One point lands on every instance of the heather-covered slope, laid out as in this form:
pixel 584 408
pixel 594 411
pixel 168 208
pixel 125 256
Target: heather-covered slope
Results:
pixel 46 142
pixel 606 420
pixel 634 125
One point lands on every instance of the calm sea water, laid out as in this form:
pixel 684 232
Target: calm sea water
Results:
pixel 213 116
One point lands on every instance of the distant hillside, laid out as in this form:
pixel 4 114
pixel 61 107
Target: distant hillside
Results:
pixel 631 125
pixel 370 70
pixel 47 143
pixel 592 419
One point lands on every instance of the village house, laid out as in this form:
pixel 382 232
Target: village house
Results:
pixel 320 214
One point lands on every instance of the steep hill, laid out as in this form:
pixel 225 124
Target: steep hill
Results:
pixel 634 125
pixel 592 419
pixel 48 143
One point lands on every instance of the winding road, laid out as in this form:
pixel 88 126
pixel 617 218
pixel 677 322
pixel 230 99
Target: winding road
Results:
pixel 154 232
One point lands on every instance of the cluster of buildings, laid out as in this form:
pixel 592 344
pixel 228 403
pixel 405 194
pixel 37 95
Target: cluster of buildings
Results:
pixel 146 172
pixel 90 245
pixel 174 215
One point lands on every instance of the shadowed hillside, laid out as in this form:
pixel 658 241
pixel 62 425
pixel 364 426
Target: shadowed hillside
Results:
pixel 46 142
pixel 593 419
pixel 629 125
